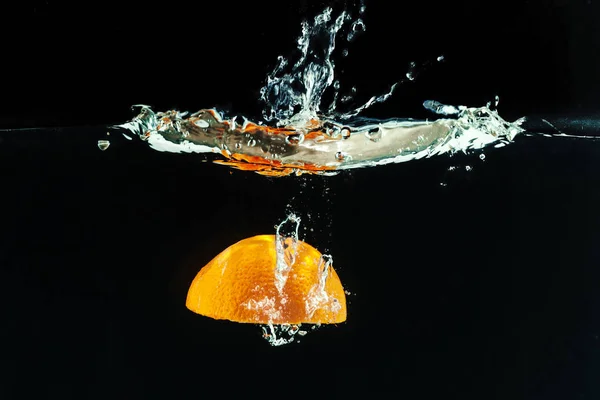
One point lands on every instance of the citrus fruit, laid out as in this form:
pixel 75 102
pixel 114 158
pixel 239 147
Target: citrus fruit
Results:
pixel 267 280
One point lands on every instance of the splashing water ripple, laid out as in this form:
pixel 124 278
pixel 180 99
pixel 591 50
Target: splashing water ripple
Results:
pixel 299 135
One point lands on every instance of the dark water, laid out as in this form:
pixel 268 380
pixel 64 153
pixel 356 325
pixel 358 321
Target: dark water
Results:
pixel 485 288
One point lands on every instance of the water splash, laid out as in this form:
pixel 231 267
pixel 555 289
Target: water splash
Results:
pixel 441 109
pixel 326 146
pixel 278 335
pixel 286 241
pixel 300 135
pixel 294 97
pixel 317 296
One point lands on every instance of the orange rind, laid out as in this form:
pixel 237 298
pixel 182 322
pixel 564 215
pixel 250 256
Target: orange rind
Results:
pixel 267 280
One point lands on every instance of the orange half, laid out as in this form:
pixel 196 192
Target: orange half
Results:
pixel 248 283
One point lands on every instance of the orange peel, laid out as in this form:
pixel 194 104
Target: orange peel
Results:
pixel 252 281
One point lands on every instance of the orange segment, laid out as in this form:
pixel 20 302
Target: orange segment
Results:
pixel 245 284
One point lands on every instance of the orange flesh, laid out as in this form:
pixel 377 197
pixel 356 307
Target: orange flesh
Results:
pixel 239 285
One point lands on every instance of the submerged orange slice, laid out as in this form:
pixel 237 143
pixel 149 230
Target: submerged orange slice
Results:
pixel 250 282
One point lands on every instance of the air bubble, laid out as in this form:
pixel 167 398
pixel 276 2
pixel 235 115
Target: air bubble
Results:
pixel 346 133
pixel 340 156
pixel 278 335
pixel 238 145
pixel 468 168
pixel 357 27
pixel 294 139
pixel 252 142
pixel 440 58
pixel 482 156
pixel 331 129
pixel 374 135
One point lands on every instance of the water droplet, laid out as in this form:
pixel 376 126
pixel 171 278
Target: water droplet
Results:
pixel 482 156
pixel 294 139
pixel 411 71
pixel 251 142
pixel 340 156
pixel 103 144
pixel 346 133
pixel 374 135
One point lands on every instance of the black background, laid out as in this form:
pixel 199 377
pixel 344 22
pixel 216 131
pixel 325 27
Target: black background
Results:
pixel 475 284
